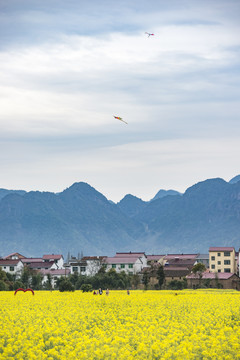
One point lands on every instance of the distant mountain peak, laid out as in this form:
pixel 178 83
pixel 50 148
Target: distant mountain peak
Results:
pixel 131 205
pixel 162 193
pixel 235 179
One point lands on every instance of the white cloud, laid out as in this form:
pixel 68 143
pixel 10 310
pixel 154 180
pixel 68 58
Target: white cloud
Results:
pixel 64 76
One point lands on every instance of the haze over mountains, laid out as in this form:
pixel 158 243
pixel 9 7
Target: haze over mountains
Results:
pixel 82 219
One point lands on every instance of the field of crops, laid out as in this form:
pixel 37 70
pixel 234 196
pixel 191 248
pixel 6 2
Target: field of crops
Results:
pixel 143 325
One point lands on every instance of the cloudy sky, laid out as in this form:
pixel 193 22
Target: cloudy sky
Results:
pixel 66 67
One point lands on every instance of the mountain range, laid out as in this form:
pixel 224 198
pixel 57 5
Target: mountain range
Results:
pixel 81 219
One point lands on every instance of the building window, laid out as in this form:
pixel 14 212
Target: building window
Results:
pixel 227 270
pixel 219 270
pixel 219 254
pixel 122 266
pixel 130 266
pixel 82 268
pixel 219 262
pixel 212 266
pixel 130 273
pixel 11 268
pixel 227 262
pixel 75 268
pixel 226 253
pixel 212 257
pixel 113 266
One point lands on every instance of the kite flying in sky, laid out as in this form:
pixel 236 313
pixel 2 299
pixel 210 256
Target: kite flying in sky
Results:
pixel 149 34
pixel 119 118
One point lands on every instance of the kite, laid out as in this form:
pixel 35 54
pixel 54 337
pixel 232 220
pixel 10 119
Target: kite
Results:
pixel 20 289
pixel 149 34
pixel 119 118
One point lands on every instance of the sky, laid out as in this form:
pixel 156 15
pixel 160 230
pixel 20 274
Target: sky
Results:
pixel 67 67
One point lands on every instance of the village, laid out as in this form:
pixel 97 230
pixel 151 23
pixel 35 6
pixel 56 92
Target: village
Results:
pixel 220 268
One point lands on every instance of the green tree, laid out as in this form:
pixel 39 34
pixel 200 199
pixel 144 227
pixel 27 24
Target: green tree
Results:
pixel 3 286
pixel 36 282
pixel 198 269
pixel 48 283
pixel 26 277
pixel 86 288
pixel 135 280
pixel 146 279
pixel 160 276
pixel 66 285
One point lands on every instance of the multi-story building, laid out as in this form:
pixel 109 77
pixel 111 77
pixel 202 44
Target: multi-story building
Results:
pixel 222 259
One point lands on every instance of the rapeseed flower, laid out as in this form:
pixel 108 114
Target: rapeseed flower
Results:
pixel 145 325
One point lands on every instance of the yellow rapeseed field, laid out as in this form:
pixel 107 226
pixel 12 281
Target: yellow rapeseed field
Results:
pixel 143 325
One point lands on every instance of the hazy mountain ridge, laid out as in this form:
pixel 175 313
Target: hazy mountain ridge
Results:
pixel 82 219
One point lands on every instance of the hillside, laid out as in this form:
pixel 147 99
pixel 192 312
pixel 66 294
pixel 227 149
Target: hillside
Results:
pixel 82 219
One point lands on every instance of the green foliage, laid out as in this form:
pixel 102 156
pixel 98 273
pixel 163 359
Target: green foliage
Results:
pixel 198 268
pixel 3 286
pixel 176 285
pixel 135 280
pixel 86 288
pixel 48 284
pixel 36 281
pixel 160 276
pixel 17 284
pixel 146 279
pixel 3 275
pixel 26 277
pixel 206 283
pixel 66 285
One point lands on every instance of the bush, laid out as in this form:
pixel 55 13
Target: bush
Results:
pixel 66 285
pixel 86 287
pixel 3 286
pixel 18 284
pixel 176 285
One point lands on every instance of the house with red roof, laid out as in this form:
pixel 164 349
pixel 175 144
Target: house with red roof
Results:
pixel 14 256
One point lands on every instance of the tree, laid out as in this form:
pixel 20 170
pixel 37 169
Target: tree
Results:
pixel 146 279
pixel 198 269
pixel 37 281
pixel 86 288
pixel 66 285
pixel 25 277
pixel 160 276
pixel 48 284
pixel 135 280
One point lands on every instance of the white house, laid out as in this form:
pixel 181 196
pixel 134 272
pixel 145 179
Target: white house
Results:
pixel 43 265
pixel 54 274
pixel 88 265
pixel 13 267
pixel 57 259
pixel 131 263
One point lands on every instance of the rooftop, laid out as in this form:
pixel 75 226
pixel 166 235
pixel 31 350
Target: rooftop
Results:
pixel 222 248
pixel 129 254
pixel 6 262
pixel 52 257
pixel 209 275
pixel 121 260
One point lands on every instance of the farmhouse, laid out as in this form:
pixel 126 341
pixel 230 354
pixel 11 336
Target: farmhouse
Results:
pixel 10 266
pixel 223 280
pixel 131 263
